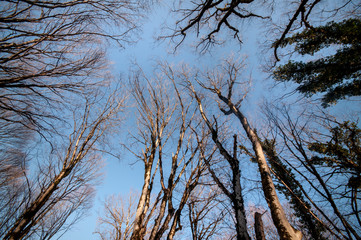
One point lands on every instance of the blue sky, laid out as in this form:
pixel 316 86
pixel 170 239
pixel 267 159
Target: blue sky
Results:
pixel 122 176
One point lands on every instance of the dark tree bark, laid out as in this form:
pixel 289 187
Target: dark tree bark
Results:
pixel 258 226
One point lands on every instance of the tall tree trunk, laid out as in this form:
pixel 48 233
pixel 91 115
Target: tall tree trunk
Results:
pixel 236 196
pixel 141 211
pixel 258 226
pixel 240 214
pixel 284 228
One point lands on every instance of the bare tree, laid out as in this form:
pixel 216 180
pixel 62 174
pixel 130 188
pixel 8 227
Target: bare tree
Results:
pixel 171 152
pixel 52 58
pixel 14 139
pixel 216 84
pixel 235 195
pixel 117 220
pixel 208 18
pixel 216 21
pixel 61 185
pixel 206 213
pixel 50 49
pixel 323 187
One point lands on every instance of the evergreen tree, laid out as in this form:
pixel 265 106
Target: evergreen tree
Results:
pixel 342 152
pixel 337 75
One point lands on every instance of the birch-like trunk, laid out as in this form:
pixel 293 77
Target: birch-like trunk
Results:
pixel 140 212
pixel 284 228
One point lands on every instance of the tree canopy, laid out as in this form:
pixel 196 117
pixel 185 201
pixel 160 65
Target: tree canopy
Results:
pixel 208 161
pixel 336 76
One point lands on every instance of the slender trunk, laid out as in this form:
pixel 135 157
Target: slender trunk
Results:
pixel 187 192
pixel 349 229
pixel 284 228
pixel 241 224
pixel 160 216
pixel 258 226
pixel 25 222
pixel 166 222
pixel 237 198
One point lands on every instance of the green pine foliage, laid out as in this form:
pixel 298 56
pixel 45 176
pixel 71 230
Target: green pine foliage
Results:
pixel 342 152
pixel 295 196
pixel 337 76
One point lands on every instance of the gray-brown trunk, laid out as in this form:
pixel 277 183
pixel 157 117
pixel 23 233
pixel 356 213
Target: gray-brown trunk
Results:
pixel 258 226
pixel 284 228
